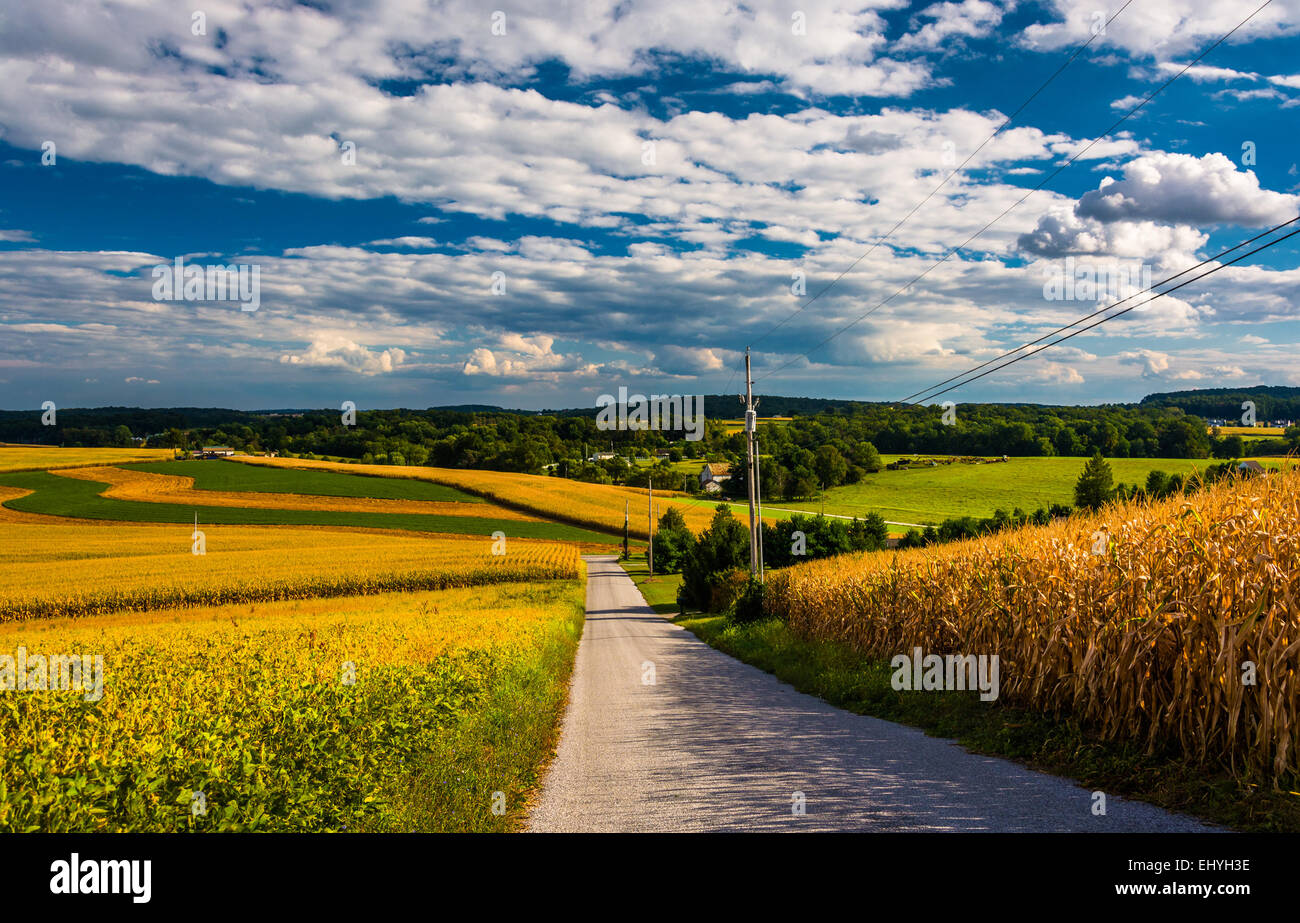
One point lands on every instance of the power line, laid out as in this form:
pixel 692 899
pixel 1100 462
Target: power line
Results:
pixel 1053 333
pixel 1103 320
pixel 1152 95
pixel 1005 122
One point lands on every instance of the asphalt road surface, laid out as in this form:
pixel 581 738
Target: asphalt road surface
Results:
pixel 664 733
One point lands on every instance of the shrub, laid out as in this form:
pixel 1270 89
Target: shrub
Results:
pixel 749 607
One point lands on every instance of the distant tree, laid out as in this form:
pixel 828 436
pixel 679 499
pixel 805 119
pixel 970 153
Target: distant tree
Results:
pixel 1230 447
pixel 673 541
pixel 871 460
pixel 830 466
pixel 1183 437
pixel 1094 486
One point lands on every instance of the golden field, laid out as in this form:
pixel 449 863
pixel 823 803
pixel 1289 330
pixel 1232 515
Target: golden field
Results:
pixel 60 568
pixel 146 487
pixel 598 506
pixel 401 711
pixel 1148 640
pixel 40 458
pixel 1248 430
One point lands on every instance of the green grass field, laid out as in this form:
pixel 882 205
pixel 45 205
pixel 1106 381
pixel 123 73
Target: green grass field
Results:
pixel 236 476
pixel 930 495
pixel 59 496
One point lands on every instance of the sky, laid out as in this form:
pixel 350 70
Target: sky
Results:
pixel 531 206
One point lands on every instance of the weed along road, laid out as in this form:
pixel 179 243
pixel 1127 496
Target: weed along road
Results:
pixel 664 733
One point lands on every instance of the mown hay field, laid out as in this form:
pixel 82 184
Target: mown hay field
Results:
pixel 598 506
pixel 51 569
pixel 1248 430
pixel 1153 639
pixel 394 712
pixel 41 458
pixel 149 487
pixel 50 494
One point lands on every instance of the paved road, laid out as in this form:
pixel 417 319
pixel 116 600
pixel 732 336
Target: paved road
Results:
pixel 714 744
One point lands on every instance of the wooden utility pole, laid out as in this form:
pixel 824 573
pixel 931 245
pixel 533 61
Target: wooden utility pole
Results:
pixel 650 532
pixel 750 425
pixel 758 501
pixel 626 509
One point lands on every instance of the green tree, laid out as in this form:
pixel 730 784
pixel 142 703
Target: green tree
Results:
pixel 830 466
pixel 722 547
pixel 871 460
pixel 673 541
pixel 1093 488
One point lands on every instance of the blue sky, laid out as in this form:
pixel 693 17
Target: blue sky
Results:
pixel 643 181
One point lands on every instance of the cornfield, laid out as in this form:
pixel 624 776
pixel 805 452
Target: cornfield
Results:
pixel 597 506
pixel 74 569
pixel 1141 621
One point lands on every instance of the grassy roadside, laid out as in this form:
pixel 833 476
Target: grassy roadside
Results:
pixel 660 591
pixel 833 672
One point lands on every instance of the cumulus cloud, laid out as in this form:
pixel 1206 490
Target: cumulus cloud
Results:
pixel 1062 233
pixel 1166 29
pixel 1183 189
pixel 520 356
pixel 952 21
pixel 336 351
pixel 1152 363
pixel 689 360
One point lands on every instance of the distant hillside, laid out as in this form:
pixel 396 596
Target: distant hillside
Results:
pixel 1272 402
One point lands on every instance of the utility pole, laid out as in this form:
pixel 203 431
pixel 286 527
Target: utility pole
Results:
pixel 650 532
pixel 750 425
pixel 758 500
pixel 626 509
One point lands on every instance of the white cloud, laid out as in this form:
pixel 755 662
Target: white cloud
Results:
pixel 1187 190
pixel 337 351
pixel 409 243
pixel 951 21
pixel 690 360
pixel 1061 232
pixel 1164 30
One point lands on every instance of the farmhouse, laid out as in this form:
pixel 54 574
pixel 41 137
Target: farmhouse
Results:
pixel 712 476
pixel 213 451
pixel 1252 467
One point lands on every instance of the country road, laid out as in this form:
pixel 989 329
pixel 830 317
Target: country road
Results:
pixel 664 733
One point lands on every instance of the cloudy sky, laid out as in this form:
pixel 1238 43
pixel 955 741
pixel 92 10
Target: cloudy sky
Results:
pixel 534 205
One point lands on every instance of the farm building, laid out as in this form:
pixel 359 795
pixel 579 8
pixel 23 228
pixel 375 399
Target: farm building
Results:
pixel 213 451
pixel 712 476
